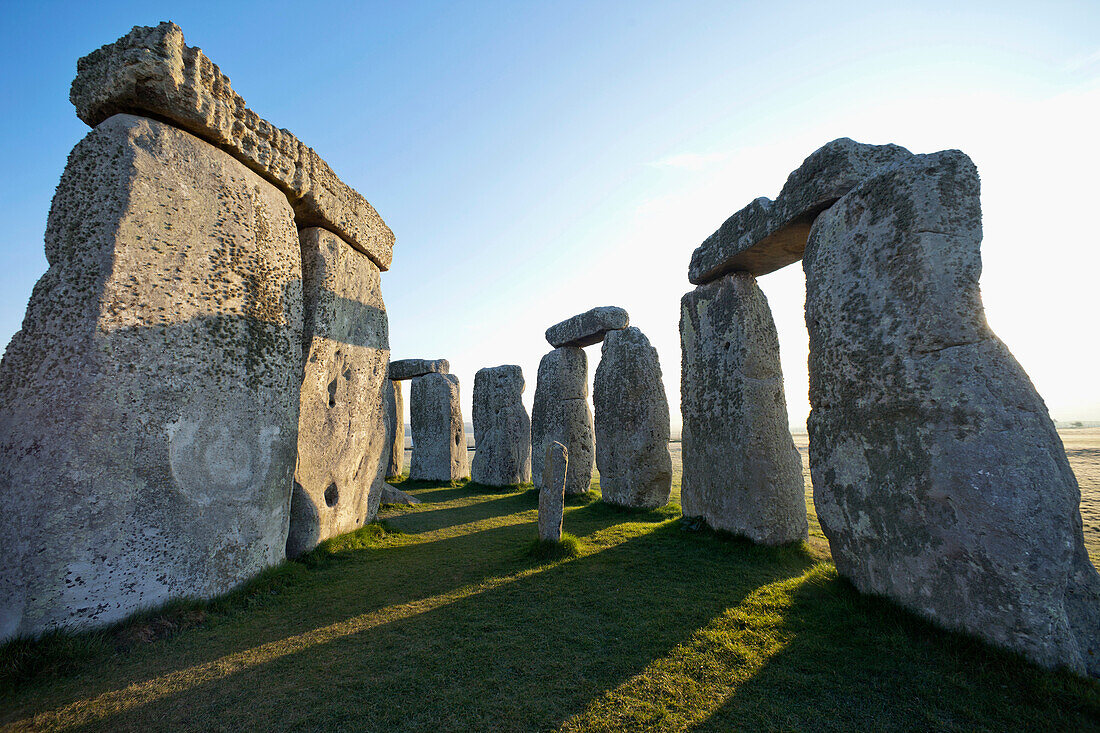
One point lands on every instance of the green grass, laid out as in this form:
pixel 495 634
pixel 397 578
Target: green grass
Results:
pixel 438 618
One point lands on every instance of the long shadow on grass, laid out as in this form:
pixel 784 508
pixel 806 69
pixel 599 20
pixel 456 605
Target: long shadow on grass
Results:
pixel 524 655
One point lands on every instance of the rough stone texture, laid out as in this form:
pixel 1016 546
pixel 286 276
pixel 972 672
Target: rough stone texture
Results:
pixel 552 492
pixel 767 235
pixel 412 368
pixel 587 328
pixel 938 476
pixel 152 71
pixel 502 430
pixel 395 430
pixel 393 495
pixel 632 423
pixel 149 405
pixel 342 423
pixel 560 412
pixel 439 437
pixel 742 472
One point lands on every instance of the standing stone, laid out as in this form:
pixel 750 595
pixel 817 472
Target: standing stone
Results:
pixel 395 430
pixel 632 423
pixel 938 476
pixel 502 430
pixel 742 473
pixel 439 437
pixel 552 492
pixel 561 413
pixel 149 405
pixel 342 423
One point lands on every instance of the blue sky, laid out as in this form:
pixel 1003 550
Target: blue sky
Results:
pixel 538 159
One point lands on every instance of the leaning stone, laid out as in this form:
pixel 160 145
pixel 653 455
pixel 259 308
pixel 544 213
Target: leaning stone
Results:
pixel 632 423
pixel 149 405
pixel 342 423
pixel 412 368
pixel 742 473
pixel 439 437
pixel 767 235
pixel 502 430
pixel 552 492
pixel 938 477
pixel 560 413
pixel 152 71
pixel 393 495
pixel 587 328
pixel 395 430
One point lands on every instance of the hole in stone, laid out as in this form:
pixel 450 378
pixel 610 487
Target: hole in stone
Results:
pixel 332 495
pixel 456 439
pixel 727 346
pixel 332 392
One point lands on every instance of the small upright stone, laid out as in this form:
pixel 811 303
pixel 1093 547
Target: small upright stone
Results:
pixel 439 437
pixel 552 492
pixel 395 429
pixel 412 368
pixel 632 423
pixel 561 413
pixel 587 328
pixel 502 430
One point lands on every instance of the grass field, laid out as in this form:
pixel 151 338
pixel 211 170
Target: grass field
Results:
pixel 441 619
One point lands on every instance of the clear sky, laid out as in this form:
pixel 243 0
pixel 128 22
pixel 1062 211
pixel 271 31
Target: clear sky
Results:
pixel 536 159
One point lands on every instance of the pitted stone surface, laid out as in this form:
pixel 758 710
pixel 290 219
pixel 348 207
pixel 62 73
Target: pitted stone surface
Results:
pixel 438 435
pixel 561 413
pixel 766 234
pixel 632 423
pixel 552 492
pixel 342 423
pixel 395 429
pixel 149 405
pixel 412 368
pixel 152 71
pixel 502 430
pixel 742 473
pixel 938 476
pixel 587 328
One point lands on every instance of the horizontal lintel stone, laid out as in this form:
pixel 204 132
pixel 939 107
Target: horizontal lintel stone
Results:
pixel 410 368
pixel 587 328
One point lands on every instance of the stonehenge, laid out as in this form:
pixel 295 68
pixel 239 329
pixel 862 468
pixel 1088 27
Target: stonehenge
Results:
pixel 395 429
pixel 502 430
pixel 552 492
pixel 588 328
pixel 439 437
pixel 410 368
pixel 560 413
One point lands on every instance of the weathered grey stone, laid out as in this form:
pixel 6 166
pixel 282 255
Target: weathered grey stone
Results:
pixel 938 476
pixel 587 328
pixel 412 368
pixel 552 492
pixel 560 413
pixel 632 423
pixel 742 472
pixel 393 495
pixel 395 430
pixel 439 437
pixel 767 235
pixel 502 430
pixel 149 405
pixel 152 71
pixel 342 423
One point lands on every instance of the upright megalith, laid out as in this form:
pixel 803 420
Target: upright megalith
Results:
pixel 395 429
pixel 632 423
pixel 502 430
pixel 342 430
pixel 149 405
pixel 439 437
pixel 588 328
pixel 938 476
pixel 560 413
pixel 742 473
pixel 552 492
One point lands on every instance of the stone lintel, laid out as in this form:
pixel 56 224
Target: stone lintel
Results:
pixel 410 368
pixel 587 328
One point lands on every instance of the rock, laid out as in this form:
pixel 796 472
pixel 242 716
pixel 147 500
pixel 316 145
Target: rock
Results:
pixel 439 437
pixel 393 495
pixel 587 328
pixel 560 413
pixel 149 405
pixel 938 477
pixel 767 235
pixel 342 423
pixel 502 430
pixel 412 368
pixel 395 430
pixel 552 492
pixel 742 473
pixel 632 423
pixel 152 71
